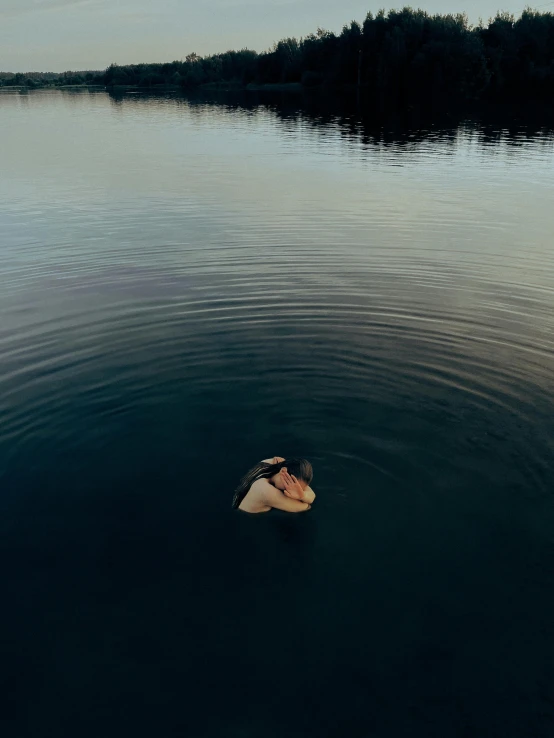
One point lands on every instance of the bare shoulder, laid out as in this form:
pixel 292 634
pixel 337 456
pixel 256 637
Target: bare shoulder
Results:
pixel 275 498
pixel 261 487
pixel 268 489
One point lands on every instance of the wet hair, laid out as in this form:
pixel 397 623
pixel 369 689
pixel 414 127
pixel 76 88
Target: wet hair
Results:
pixel 300 468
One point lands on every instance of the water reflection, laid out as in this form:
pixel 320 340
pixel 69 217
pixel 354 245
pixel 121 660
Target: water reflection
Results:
pixel 369 127
pixel 189 285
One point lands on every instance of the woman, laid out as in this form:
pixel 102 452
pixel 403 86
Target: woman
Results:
pixel 283 484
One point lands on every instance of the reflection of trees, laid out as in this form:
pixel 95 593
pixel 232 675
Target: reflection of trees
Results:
pixel 343 115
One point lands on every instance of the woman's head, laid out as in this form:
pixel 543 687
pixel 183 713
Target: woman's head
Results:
pixel 299 468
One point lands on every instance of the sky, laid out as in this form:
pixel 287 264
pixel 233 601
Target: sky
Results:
pixel 59 35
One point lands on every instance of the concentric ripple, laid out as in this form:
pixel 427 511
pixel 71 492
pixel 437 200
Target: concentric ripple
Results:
pixel 159 253
pixel 189 286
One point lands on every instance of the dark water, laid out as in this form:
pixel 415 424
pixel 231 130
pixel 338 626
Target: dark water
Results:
pixel 189 287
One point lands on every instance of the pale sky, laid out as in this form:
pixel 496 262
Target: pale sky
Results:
pixel 57 35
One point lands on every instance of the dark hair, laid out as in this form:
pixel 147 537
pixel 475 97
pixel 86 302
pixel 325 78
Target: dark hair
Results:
pixel 300 468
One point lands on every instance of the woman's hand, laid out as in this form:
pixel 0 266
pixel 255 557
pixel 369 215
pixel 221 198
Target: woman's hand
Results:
pixel 278 459
pixel 293 488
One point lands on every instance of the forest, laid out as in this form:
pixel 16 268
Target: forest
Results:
pixel 34 80
pixel 403 56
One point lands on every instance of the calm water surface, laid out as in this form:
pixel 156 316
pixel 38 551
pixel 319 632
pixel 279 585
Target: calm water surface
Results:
pixel 189 286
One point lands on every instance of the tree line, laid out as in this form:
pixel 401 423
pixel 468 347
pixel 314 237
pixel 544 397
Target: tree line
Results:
pixel 402 55
pixel 34 80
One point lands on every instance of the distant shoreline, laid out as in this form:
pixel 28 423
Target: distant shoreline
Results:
pixel 218 86
pixel 399 58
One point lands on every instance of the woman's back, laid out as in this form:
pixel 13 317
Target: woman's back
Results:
pixel 255 499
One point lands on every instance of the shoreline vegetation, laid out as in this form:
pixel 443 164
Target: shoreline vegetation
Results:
pixel 401 57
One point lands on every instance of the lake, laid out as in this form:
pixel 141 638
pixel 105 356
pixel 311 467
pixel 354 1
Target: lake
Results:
pixel 188 286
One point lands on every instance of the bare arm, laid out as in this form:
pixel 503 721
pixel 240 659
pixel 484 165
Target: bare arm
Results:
pixel 294 490
pixel 275 498
pixel 309 495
